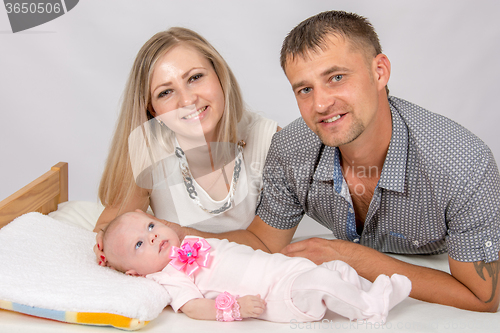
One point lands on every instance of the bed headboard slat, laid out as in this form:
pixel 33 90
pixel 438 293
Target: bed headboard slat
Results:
pixel 41 195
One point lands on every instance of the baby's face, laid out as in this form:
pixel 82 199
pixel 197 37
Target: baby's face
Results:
pixel 143 245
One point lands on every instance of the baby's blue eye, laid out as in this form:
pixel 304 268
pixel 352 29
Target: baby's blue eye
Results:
pixel 138 244
pixel 151 226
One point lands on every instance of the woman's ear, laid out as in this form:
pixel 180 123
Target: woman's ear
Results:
pixel 151 111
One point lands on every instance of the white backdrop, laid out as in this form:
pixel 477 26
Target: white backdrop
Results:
pixel 61 82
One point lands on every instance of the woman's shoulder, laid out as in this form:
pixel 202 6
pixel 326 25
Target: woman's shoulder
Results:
pixel 255 124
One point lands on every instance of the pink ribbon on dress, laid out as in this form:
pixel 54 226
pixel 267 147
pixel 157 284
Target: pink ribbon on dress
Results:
pixel 192 255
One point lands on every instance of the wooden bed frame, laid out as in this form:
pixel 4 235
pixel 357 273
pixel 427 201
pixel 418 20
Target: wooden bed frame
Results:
pixel 41 195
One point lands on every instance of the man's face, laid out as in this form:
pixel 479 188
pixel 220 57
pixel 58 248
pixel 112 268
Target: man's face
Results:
pixel 336 90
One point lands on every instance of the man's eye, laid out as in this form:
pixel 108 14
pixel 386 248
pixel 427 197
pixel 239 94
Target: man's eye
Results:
pixel 151 226
pixel 305 90
pixel 138 244
pixel 337 78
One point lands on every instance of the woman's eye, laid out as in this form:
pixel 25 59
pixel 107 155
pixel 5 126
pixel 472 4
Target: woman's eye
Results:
pixel 164 93
pixel 151 226
pixel 195 77
pixel 337 78
pixel 138 244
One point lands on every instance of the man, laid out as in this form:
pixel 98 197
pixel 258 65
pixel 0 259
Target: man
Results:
pixel 383 174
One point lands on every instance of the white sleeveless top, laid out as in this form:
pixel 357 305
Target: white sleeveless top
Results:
pixel 170 200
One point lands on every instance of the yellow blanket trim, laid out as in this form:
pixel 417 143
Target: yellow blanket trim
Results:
pixel 5 305
pixel 96 318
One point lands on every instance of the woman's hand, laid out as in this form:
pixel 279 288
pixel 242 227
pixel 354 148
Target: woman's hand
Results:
pixel 99 250
pixel 251 306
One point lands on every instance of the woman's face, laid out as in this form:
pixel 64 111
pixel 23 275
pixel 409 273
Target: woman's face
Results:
pixel 186 93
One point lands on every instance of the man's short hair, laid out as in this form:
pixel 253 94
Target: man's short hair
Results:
pixel 310 35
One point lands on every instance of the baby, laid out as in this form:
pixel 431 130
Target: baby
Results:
pixel 203 276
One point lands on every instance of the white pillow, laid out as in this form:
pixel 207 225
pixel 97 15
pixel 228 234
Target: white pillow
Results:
pixel 80 213
pixel 49 270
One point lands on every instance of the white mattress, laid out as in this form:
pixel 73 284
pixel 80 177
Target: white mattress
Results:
pixel 409 316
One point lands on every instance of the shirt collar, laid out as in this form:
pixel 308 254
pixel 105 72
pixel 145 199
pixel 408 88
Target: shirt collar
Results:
pixel 326 165
pixel 394 170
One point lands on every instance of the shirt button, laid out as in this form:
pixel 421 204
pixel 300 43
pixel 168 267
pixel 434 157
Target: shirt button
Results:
pixel 356 240
pixel 415 243
pixel 351 210
pixel 488 244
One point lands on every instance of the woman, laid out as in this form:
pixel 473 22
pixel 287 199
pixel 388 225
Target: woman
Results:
pixel 184 143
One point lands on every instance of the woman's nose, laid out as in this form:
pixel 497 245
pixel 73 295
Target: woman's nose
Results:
pixel 186 98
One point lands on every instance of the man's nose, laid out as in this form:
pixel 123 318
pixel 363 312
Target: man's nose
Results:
pixel 323 99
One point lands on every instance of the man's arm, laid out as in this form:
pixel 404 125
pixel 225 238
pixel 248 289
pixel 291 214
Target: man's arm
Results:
pixel 471 286
pixel 481 279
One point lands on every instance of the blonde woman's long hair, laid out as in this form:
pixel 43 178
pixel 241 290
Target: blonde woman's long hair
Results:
pixel 117 183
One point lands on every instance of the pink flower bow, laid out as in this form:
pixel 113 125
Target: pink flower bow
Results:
pixel 192 255
pixel 225 301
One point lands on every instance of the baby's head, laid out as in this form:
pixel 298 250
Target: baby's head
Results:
pixel 136 244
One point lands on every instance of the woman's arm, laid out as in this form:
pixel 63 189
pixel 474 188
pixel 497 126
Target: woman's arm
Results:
pixel 204 308
pixel 259 235
pixel 139 201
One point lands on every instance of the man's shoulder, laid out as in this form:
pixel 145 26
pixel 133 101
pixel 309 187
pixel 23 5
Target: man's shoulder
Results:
pixel 421 121
pixel 438 140
pixel 295 127
pixel 296 137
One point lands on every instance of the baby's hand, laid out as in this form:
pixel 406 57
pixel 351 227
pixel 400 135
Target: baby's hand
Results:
pixel 251 306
